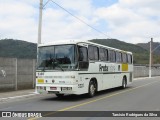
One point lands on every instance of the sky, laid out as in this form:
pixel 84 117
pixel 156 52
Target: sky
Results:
pixel 132 21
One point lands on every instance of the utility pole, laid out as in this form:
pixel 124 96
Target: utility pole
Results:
pixel 150 59
pixel 39 31
pixel 40 21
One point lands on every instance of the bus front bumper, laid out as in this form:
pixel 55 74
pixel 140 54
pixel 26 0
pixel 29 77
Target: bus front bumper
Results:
pixel 58 89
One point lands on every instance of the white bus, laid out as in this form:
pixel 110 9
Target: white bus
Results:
pixel 75 67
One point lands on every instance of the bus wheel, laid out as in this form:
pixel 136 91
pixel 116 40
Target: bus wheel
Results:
pixel 91 89
pixel 59 95
pixel 124 83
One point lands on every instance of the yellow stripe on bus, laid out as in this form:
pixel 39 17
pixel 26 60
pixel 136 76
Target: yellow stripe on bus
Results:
pixel 124 67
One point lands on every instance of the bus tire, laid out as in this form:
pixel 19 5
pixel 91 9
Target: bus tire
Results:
pixel 59 95
pixel 91 89
pixel 124 82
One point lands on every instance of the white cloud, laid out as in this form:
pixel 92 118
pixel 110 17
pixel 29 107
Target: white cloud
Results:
pixel 82 7
pixel 128 20
pixel 132 20
pixel 58 24
pixel 17 19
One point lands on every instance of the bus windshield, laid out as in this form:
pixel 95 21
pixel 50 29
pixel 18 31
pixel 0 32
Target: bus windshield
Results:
pixel 57 57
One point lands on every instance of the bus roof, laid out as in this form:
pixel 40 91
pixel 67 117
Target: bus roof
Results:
pixel 62 42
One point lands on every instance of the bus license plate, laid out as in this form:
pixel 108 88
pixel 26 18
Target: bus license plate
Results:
pixel 66 88
pixel 53 88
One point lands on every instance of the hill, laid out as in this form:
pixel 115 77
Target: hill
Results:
pixel 17 49
pixel 22 49
pixel 155 49
pixel 154 45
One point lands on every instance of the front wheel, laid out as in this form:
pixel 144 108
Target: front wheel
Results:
pixel 91 89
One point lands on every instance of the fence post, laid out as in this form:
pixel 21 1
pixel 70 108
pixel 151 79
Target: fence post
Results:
pixel 16 73
pixel 35 77
pixel 33 73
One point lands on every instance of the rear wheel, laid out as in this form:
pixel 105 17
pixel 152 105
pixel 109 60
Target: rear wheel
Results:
pixel 59 95
pixel 124 83
pixel 91 89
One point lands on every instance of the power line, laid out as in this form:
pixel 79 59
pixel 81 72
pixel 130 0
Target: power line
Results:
pixel 78 18
pixel 46 3
pixel 156 48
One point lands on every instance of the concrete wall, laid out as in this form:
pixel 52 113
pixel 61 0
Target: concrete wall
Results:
pixel 143 71
pixel 16 74
pixel 26 73
pixel 7 73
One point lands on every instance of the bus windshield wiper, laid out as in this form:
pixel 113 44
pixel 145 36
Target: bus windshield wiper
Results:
pixel 56 64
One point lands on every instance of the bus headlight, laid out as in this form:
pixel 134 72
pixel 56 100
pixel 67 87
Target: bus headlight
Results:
pixel 41 88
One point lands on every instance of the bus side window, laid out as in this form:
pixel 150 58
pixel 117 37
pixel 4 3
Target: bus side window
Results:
pixel 93 52
pixel 83 58
pixel 103 54
pixel 129 58
pixel 96 53
pixel 124 57
pixel 112 56
pixel 118 57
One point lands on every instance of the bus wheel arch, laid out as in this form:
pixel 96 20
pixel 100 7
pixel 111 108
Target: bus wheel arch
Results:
pixel 124 82
pixel 92 87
